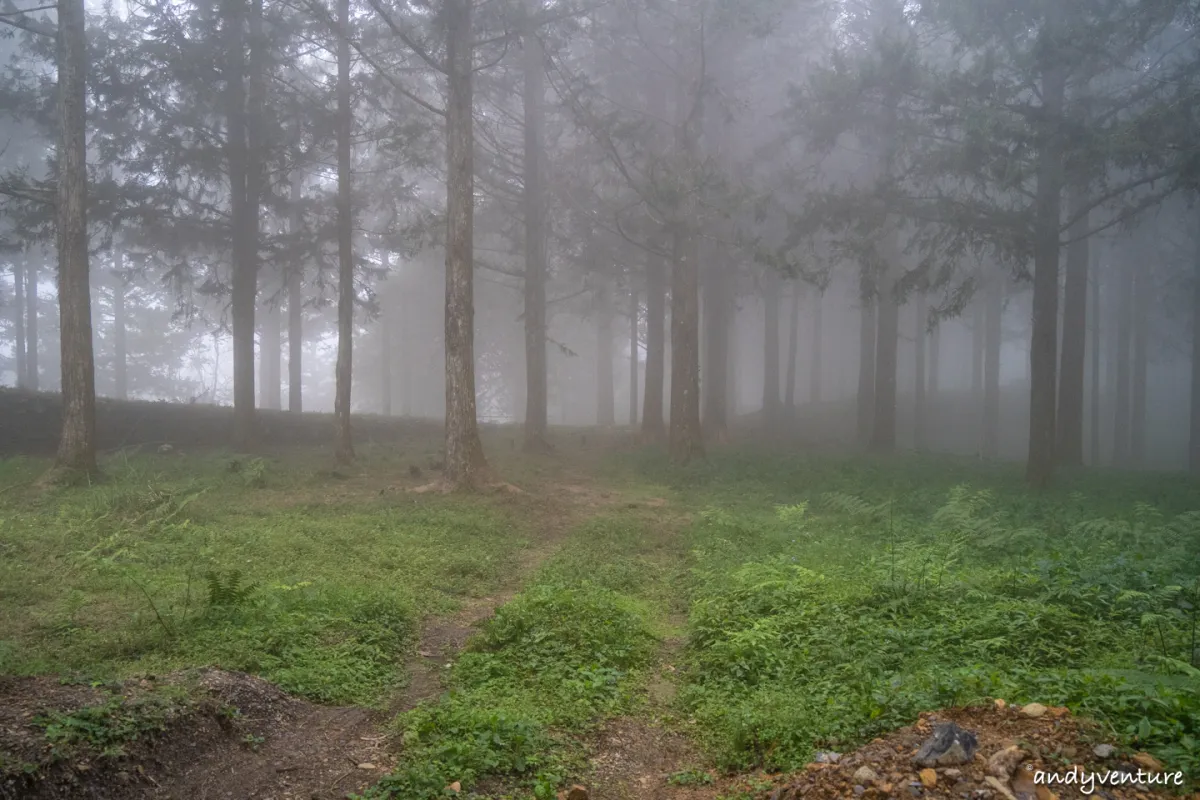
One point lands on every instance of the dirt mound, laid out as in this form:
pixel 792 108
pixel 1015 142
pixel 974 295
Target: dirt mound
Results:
pixel 1017 752
pixel 211 734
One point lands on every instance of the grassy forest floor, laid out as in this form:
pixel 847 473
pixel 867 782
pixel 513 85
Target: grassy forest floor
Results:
pixel 206 625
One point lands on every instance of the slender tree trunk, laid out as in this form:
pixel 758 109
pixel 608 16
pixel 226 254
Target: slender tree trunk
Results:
pixel 866 356
pixel 1043 361
pixel 343 448
pixel 935 361
pixel 77 445
pixel 535 244
pixel 789 391
pixel 269 355
pixel 633 354
pixel 386 351
pixel 814 383
pixel 993 318
pixel 883 429
pixel 19 320
pixel 978 337
pixel 1069 420
pixel 686 438
pixel 295 309
pixel 465 462
pixel 770 404
pixel 33 381
pixel 718 307
pixel 605 400
pixel 1122 416
pixel 1096 340
pixel 919 337
pixel 1141 331
pixel 120 355
pixel 653 425
pixel 1194 441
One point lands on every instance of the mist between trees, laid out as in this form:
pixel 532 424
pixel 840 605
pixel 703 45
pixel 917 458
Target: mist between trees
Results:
pixel 957 225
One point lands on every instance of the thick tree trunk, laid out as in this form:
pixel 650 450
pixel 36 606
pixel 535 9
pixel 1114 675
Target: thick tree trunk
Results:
pixel 120 348
pixel 1141 332
pixel 1122 416
pixel 535 245
pixel 883 429
pixel 1043 351
pixel 77 445
pixel 718 307
pixel 343 447
pixel 606 414
pixel 269 357
pixel 789 390
pixel 633 354
pixel 866 356
pixel 993 318
pixel 770 403
pixel 1096 339
pixel 33 373
pixel 464 463
pixel 295 309
pixel 814 383
pixel 19 320
pixel 1069 420
pixel 921 318
pixel 686 437
pixel 653 426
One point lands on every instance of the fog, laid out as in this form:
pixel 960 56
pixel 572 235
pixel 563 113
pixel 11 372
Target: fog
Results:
pixel 828 220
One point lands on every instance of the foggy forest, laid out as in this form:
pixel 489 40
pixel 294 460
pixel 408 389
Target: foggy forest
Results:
pixel 599 398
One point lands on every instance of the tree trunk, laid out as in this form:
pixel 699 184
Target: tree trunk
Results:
pixel 935 361
pixel 978 346
pixel 120 354
pixel 1141 332
pixel 883 429
pixel 814 384
pixel 343 448
pixel 653 425
pixel 1043 361
pixel 789 390
pixel 919 337
pixel 33 379
pixel 605 401
pixel 1069 420
pixel 866 355
pixel 770 403
pixel 19 320
pixel 718 302
pixel 633 354
pixel 1094 276
pixel 1122 416
pixel 464 463
pixel 535 244
pixel 295 309
pixel 1194 441
pixel 77 445
pixel 269 355
pixel 993 318
pixel 386 352
pixel 686 438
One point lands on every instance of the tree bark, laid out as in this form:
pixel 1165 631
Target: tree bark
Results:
pixel 718 303
pixel 343 449
pixel 465 462
pixel 770 403
pixel 1069 420
pixel 883 429
pixel 77 445
pixel 653 425
pixel 120 348
pixel 1141 333
pixel 1096 339
pixel 919 337
pixel 789 390
pixel 634 308
pixel 295 308
pixel 993 319
pixel 1194 440
pixel 386 353
pixel 535 244
pixel 1122 416
pixel 1043 362
pixel 935 361
pixel 866 355
pixel 605 400
pixel 686 437
pixel 33 377
pixel 814 384
pixel 19 320
pixel 978 346
pixel 269 356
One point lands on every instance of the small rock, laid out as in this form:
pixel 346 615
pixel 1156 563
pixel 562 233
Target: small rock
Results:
pixel 577 793
pixel 952 773
pixel 366 765
pixel 859 790
pixel 1148 762
pixel 1104 751
pixel 1034 710
pixel 865 775
pixel 928 778
pixel 1000 704
pixel 1003 763
pixel 948 746
pixel 827 757
pixel 455 787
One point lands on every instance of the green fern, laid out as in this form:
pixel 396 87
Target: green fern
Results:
pixel 228 591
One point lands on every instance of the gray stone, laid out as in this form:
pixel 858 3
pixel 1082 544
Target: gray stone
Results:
pixel 1104 751
pixel 948 746
pixel 827 757
pixel 865 775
